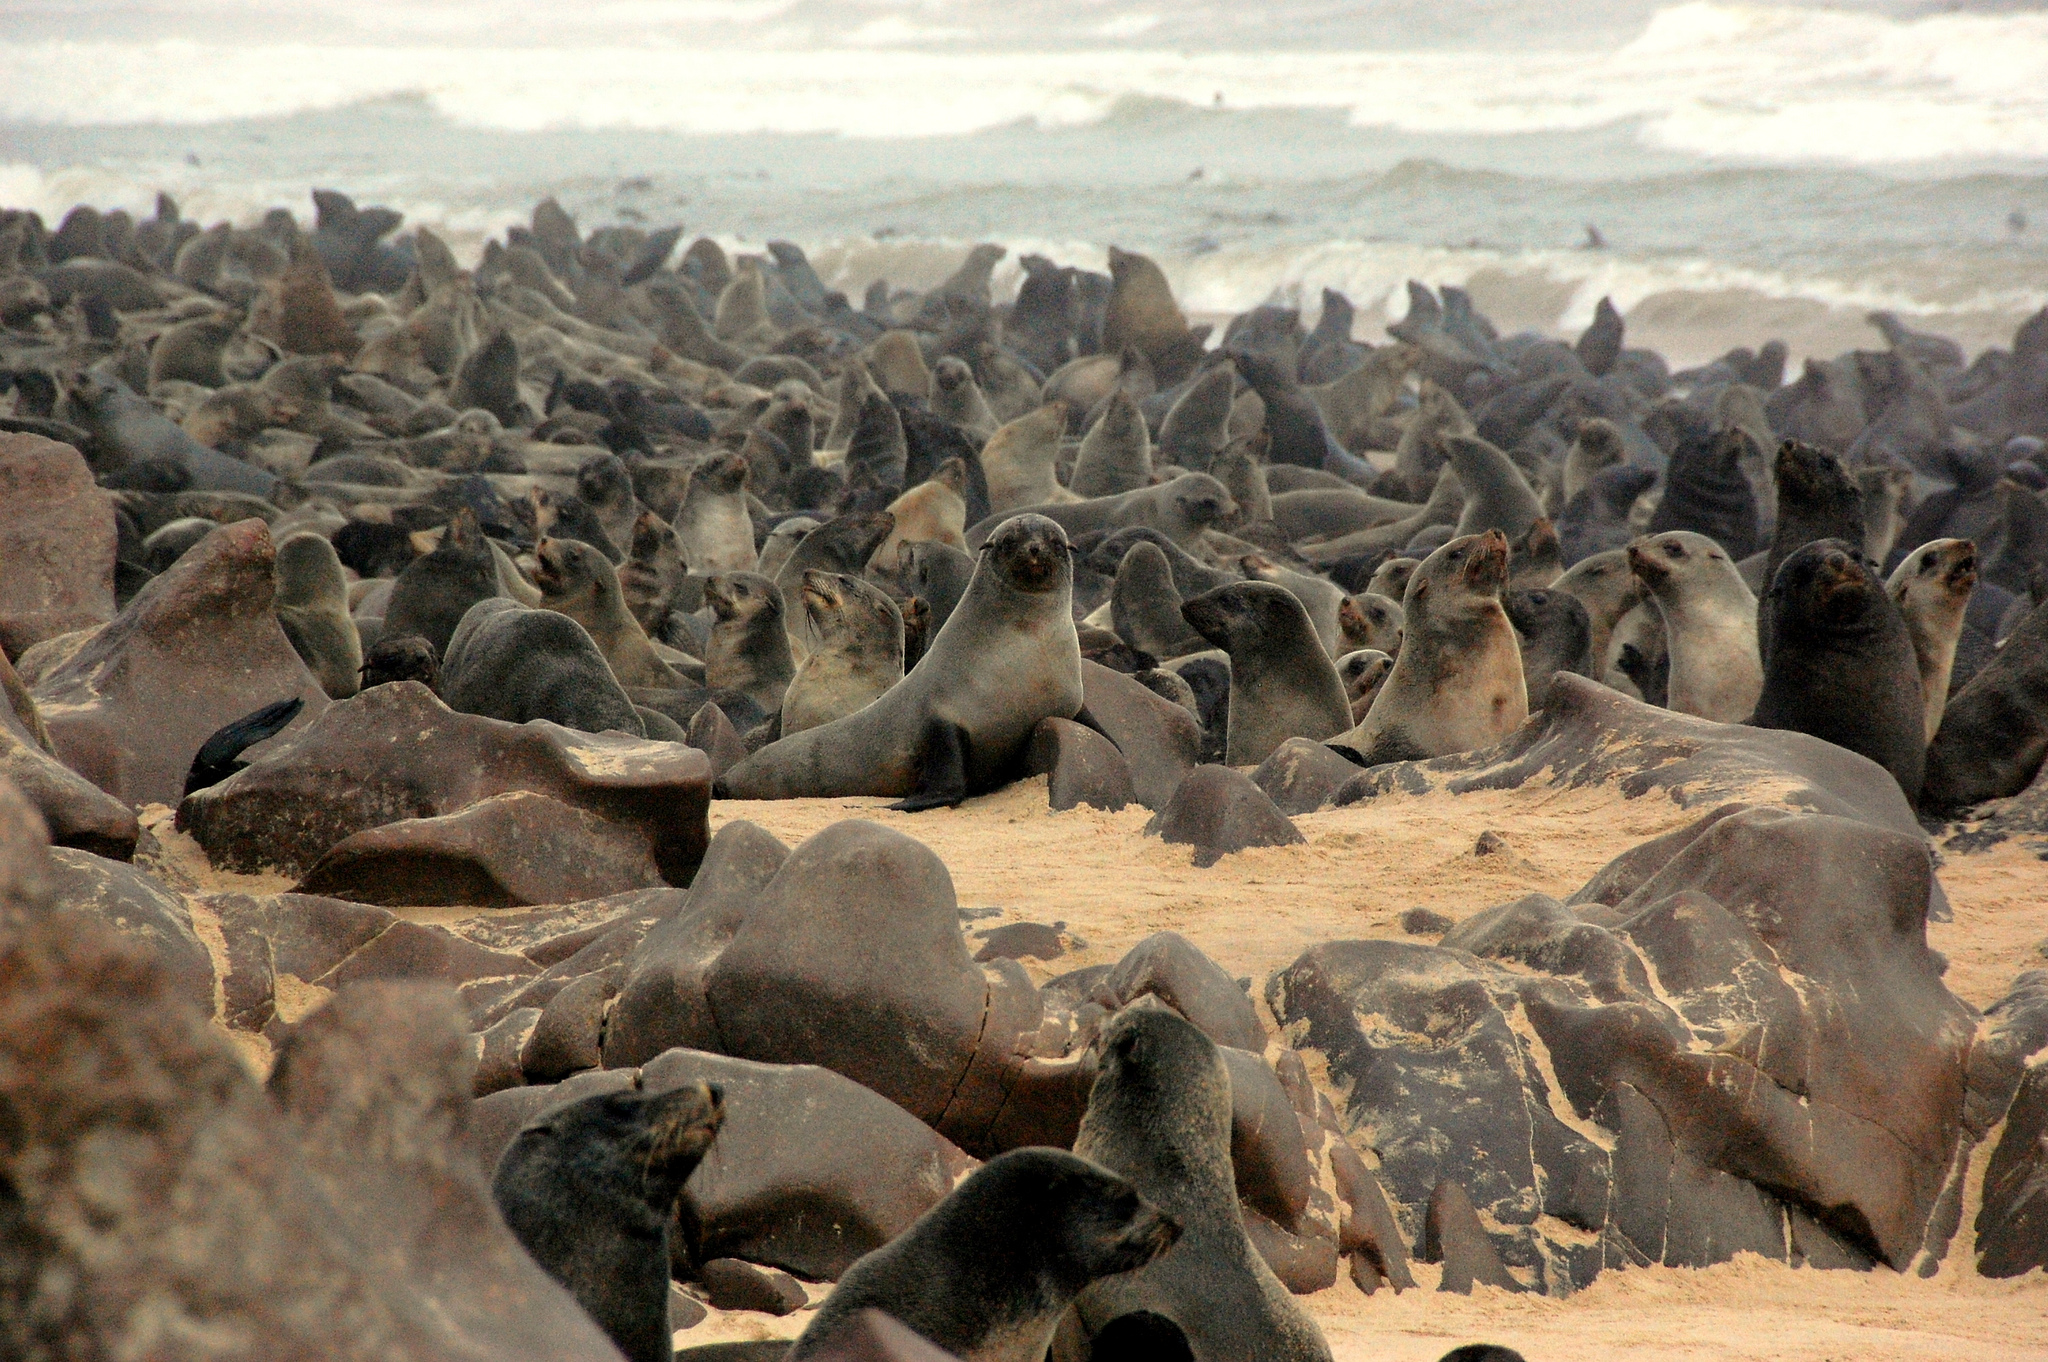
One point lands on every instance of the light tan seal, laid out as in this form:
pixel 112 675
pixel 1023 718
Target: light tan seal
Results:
pixel 1932 586
pixel 855 636
pixel 1709 624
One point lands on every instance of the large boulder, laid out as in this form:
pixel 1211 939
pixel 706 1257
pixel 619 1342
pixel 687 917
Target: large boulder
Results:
pixel 1160 740
pixel 395 752
pixel 1217 810
pixel 78 812
pixel 57 541
pixel 1795 1075
pixel 198 648
pixel 139 904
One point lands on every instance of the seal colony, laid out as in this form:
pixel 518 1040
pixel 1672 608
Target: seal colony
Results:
pixel 445 605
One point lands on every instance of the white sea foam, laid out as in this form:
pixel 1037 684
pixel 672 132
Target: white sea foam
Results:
pixel 1750 82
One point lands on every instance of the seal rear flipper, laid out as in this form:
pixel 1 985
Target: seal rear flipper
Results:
pixel 941 769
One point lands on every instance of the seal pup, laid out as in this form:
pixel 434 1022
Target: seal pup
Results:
pixel 1019 461
pixel 958 398
pixel 1457 681
pixel 1363 673
pixel 1842 666
pixel 1707 491
pixel 219 757
pixel 651 578
pixel 1145 605
pixel 1932 586
pixel 782 542
pixel 713 528
pixel 934 511
pixel 437 589
pixel 1597 445
pixel 1282 682
pixel 507 661
pixel 589 1189
pixel 578 581
pixel 1160 1115
pixel 312 608
pixel 898 365
pixel 1321 597
pixel 1180 510
pixel 855 638
pixel 748 650
pixel 987 1273
pixel 1994 732
pixel 1006 658
pixel 1817 499
pixel 1116 453
pixel 1368 620
pixel 406 658
pixel 1709 624
pixel 845 543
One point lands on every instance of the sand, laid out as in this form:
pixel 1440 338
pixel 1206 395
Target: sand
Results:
pixel 1255 912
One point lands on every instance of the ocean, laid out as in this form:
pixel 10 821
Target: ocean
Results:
pixel 1753 170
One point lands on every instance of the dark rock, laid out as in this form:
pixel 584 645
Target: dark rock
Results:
pixel 78 813
pixel 1218 810
pixel 198 648
pixel 496 1119
pixel 1489 842
pixel 565 1040
pixel 1370 1234
pixel 1019 941
pixel 1453 1236
pixel 662 1004
pixel 1302 776
pixel 498 1051
pixel 57 539
pixel 871 1337
pixel 505 851
pixel 418 951
pixel 1590 735
pixel 1425 922
pixel 395 752
pixel 712 733
pixel 1082 766
pixel 1168 966
pixel 2012 1227
pixel 813 1170
pixel 138 904
pixel 684 1310
pixel 730 1284
pixel 1160 740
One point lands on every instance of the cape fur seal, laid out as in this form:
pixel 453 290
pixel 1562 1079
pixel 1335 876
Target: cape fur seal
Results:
pixel 1282 682
pixel 312 608
pixel 1180 510
pixel 578 581
pixel 1116 453
pixel 1159 1114
pixel 1006 658
pixel 855 634
pixel 748 650
pixel 712 525
pixel 1709 624
pixel 1019 460
pixel 1842 666
pixel 506 661
pixel 987 1273
pixel 1932 586
pixel 1457 681
pixel 589 1190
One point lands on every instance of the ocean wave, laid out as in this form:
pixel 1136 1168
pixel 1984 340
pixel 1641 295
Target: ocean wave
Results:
pixel 1743 82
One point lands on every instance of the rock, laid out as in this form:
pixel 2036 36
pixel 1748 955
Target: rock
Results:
pixel 2012 1227
pixel 1160 740
pixel 148 1172
pixel 565 1040
pixel 1168 966
pixel 815 1170
pixel 395 752
pixel 141 906
pixel 494 1120
pixel 422 952
pixel 871 1337
pixel 661 1004
pixel 1369 1234
pixel 499 1049
pixel 1267 1151
pixel 1489 843
pixel 852 958
pixel 1305 1264
pixel 1218 811
pixel 684 1310
pixel 1425 922
pixel 1021 941
pixel 1798 1055
pixel 1302 776
pixel 730 1284
pixel 376 1087
pixel 502 852
pixel 198 648
pixel 1081 765
pixel 57 540
pixel 1453 1236
pixel 77 812
pixel 1590 735
pixel 712 733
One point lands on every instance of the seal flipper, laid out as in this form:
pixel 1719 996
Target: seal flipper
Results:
pixel 217 758
pixel 941 770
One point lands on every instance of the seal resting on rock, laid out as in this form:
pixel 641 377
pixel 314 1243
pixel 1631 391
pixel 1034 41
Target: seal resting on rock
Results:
pixel 1007 657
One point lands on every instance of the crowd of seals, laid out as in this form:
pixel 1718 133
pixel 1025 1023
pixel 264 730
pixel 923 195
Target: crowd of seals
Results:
pixel 647 526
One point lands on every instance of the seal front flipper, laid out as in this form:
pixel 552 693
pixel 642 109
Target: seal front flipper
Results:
pixel 217 759
pixel 941 771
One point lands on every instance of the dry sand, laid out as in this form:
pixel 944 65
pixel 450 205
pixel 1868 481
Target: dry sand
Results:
pixel 1256 911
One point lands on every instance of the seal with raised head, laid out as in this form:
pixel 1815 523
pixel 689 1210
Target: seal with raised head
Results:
pixel 855 633
pixel 1932 586
pixel 712 525
pixel 1116 453
pixel 987 1273
pixel 1842 666
pixel 1457 681
pixel 436 590
pixel 1019 460
pixel 1709 624
pixel 1159 1115
pixel 748 649
pixel 1007 658
pixel 589 1189
pixel 1282 682
pixel 578 581
pixel 1180 510
pixel 312 608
